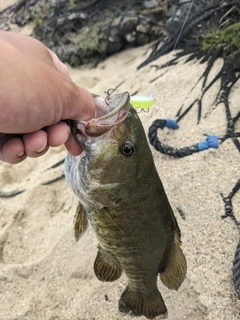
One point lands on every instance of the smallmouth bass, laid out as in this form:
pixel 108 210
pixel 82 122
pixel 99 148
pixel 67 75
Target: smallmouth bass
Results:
pixel 122 196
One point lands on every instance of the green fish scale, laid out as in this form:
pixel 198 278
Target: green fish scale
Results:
pixel 133 242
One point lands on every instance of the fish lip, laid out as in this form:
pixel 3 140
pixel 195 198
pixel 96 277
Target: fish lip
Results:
pixel 97 126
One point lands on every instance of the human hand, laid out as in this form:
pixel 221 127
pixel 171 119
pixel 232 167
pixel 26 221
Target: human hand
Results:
pixel 36 95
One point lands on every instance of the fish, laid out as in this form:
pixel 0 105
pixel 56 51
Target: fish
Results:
pixel 120 193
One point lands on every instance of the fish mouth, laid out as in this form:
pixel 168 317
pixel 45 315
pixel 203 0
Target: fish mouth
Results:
pixel 113 110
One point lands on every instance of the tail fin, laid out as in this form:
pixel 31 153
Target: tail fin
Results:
pixel 136 305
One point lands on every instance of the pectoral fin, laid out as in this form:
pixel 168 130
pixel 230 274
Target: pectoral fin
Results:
pixel 105 267
pixel 80 222
pixel 176 266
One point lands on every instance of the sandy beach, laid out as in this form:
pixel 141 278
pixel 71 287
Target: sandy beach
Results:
pixel 45 274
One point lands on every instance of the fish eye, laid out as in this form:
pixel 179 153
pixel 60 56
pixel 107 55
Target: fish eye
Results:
pixel 127 149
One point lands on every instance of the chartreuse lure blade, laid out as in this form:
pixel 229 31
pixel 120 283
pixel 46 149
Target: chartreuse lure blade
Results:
pixel 143 102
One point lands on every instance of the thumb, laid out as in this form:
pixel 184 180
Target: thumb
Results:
pixel 81 106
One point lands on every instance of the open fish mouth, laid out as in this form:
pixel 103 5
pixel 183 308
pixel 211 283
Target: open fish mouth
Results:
pixel 112 110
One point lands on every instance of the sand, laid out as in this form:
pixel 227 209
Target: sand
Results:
pixel 45 274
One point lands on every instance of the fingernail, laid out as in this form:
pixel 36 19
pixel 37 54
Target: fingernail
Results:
pixel 42 149
pixel 20 154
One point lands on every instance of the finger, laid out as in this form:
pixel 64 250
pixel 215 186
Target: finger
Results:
pixel 35 143
pixel 13 151
pixel 73 146
pixel 58 134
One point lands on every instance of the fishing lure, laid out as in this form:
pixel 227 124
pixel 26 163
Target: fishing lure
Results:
pixel 143 102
